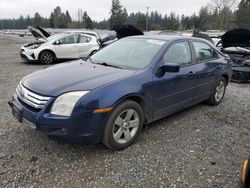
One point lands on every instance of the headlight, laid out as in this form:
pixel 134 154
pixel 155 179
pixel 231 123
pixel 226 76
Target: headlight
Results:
pixel 64 104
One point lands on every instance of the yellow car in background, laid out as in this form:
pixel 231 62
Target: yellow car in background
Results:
pixel 245 174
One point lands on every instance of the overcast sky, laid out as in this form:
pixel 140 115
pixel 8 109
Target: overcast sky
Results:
pixel 97 9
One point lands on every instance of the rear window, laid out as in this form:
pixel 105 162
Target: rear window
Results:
pixel 204 51
pixel 84 39
pixel 72 39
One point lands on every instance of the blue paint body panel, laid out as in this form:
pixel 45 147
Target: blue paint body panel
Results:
pixel 163 95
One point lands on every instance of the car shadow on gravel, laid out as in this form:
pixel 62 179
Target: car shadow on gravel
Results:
pixel 59 146
pixel 40 64
pixel 173 117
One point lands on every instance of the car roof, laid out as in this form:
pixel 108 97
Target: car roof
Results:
pixel 168 37
pixel 60 35
pixel 92 33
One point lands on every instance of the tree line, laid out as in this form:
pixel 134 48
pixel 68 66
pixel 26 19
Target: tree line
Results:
pixel 218 15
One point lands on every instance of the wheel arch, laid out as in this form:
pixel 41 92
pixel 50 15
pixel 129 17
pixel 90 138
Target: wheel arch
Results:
pixel 92 52
pixel 226 78
pixel 141 101
pixel 49 50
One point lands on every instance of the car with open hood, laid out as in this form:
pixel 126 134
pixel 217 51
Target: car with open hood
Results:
pixel 49 48
pixel 112 94
pixel 236 43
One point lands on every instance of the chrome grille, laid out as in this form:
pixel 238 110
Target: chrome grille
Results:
pixel 30 98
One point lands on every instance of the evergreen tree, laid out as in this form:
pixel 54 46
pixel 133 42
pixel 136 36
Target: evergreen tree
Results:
pixel 141 22
pixel 215 18
pixel 204 19
pixel 242 15
pixel 68 19
pixel 118 14
pixel 224 10
pixel 28 21
pixel 58 19
pixel 51 21
pixel 171 22
pixel 87 21
pixel 37 20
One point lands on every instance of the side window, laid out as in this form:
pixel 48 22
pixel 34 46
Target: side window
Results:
pixel 72 39
pixel 84 39
pixel 178 53
pixel 204 51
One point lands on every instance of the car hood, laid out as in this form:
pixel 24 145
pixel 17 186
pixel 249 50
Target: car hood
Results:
pixel 27 45
pixel 126 31
pixel 199 34
pixel 39 33
pixel 236 38
pixel 72 76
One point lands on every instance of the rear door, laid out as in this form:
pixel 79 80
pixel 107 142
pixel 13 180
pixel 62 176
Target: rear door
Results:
pixel 174 91
pixel 208 66
pixel 84 45
pixel 67 47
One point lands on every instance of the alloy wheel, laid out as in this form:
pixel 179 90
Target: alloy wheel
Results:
pixel 220 89
pixel 48 58
pixel 125 126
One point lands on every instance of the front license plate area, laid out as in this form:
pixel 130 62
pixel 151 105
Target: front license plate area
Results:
pixel 17 113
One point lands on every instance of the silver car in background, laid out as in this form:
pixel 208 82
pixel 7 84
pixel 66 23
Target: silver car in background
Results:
pixel 47 49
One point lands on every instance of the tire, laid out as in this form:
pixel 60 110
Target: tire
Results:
pixel 218 92
pixel 123 126
pixel 47 58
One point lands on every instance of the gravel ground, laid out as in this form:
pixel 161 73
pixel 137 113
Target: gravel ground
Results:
pixel 199 147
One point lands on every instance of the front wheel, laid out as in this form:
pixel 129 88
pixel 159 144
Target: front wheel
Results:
pixel 218 92
pixel 47 57
pixel 123 126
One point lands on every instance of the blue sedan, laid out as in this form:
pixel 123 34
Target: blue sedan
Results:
pixel 111 95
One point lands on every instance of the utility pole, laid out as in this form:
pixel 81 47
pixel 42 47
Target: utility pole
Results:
pixel 147 19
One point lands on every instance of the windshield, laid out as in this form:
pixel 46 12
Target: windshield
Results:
pixel 129 53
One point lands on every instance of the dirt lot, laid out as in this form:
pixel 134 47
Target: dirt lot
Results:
pixel 200 147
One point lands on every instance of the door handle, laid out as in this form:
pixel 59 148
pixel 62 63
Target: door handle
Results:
pixel 218 66
pixel 190 73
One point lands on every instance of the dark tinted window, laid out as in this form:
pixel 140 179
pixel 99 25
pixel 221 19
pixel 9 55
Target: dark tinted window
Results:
pixel 204 51
pixel 178 53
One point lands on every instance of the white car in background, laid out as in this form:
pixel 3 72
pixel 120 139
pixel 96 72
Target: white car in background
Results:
pixel 47 49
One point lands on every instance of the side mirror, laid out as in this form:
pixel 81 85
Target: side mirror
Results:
pixel 170 67
pixel 57 42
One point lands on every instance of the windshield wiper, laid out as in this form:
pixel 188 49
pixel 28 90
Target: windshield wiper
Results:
pixel 104 63
pixel 109 65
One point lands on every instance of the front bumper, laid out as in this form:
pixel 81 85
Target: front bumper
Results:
pixel 84 127
pixel 241 74
pixel 27 55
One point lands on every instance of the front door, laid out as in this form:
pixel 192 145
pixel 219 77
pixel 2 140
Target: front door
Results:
pixel 67 47
pixel 174 91
pixel 84 46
